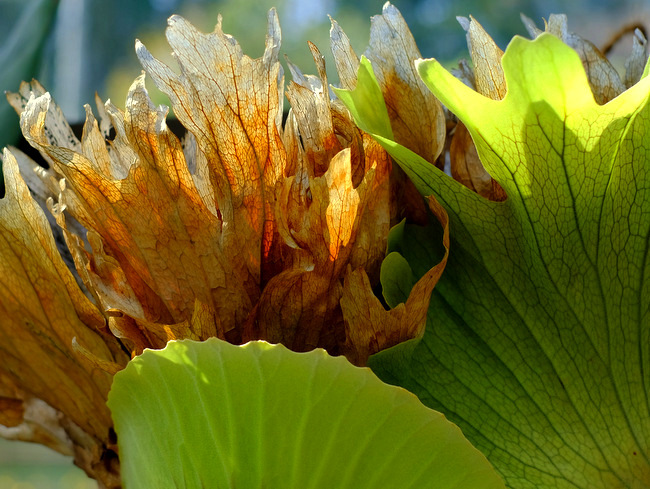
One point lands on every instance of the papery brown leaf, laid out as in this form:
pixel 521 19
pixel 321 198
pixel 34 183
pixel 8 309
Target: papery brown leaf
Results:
pixel 466 166
pixel 299 306
pixel 43 309
pixel 486 58
pixel 487 78
pixel 155 245
pixel 310 105
pixel 336 209
pixel 93 362
pixel 204 323
pixel 59 131
pixel 369 327
pixel 393 50
pixel 321 217
pixel 43 184
pixel 383 198
pixel 417 119
pixel 233 106
pixel 635 63
pixel 302 247
pixel 325 127
pixel 259 239
pixel 345 58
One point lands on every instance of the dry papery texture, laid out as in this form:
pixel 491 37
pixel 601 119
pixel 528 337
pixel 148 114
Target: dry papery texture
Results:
pixel 247 229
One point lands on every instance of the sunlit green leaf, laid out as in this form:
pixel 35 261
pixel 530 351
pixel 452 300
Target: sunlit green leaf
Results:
pixel 538 338
pixel 216 415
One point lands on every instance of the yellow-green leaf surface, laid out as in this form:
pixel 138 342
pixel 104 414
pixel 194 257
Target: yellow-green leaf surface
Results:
pixel 215 415
pixel 538 335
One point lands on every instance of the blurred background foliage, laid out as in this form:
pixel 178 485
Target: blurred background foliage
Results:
pixel 77 47
pixel 28 466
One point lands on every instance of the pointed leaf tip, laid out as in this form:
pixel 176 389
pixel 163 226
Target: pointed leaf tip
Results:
pixel 366 102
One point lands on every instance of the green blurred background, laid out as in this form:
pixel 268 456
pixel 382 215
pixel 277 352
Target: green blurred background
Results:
pixel 77 47
pixel 28 466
